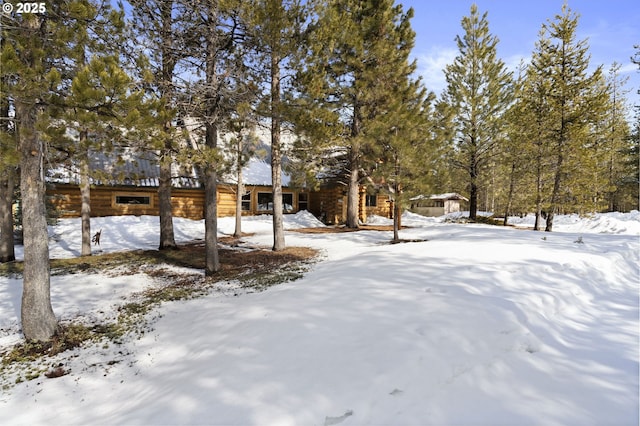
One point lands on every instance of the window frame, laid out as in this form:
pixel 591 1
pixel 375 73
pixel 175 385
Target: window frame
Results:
pixel 368 198
pixel 246 201
pixel 115 202
pixel 261 196
pixel 303 202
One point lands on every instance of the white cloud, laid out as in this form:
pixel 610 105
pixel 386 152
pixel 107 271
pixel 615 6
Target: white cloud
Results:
pixel 628 68
pixel 431 67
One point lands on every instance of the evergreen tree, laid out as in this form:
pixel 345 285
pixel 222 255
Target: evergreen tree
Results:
pixel 629 193
pixel 533 123
pixel 94 113
pixel 399 133
pixel 479 90
pixel 239 149
pixel 610 135
pixel 572 99
pixel 218 54
pixel 512 158
pixel 277 27
pixel 33 44
pixel 8 171
pixel 164 30
pixel 351 39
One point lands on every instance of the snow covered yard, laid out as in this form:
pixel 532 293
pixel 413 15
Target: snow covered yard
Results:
pixel 475 325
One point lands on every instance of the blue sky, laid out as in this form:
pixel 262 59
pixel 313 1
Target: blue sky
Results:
pixel 611 27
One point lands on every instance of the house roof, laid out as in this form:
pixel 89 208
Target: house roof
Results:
pixel 445 196
pixel 258 172
pixel 128 166
pixel 125 167
pixel 142 169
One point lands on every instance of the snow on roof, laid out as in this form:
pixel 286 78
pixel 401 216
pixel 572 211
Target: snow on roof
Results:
pixel 445 196
pixel 258 172
pixel 128 168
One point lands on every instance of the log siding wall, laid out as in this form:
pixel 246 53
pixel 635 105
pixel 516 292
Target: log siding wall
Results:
pixel 187 203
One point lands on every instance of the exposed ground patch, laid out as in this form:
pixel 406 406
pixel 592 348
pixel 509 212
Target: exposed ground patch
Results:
pixel 178 274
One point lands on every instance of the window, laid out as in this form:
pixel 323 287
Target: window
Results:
pixel 265 201
pixel 303 201
pixel 371 200
pixel 246 201
pixel 287 202
pixel 133 199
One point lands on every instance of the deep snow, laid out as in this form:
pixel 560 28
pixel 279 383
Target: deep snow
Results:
pixel 475 325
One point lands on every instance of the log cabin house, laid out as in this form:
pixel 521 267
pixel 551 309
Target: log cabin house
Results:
pixel 130 187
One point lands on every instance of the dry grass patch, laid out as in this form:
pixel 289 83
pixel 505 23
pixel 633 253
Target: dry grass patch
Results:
pixel 250 269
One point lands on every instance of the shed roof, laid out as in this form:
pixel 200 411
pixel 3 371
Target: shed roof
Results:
pixel 445 196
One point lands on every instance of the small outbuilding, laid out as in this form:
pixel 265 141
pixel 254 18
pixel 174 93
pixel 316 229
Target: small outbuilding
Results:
pixel 437 204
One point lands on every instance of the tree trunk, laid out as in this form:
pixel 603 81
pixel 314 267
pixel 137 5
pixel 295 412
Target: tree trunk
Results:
pixel 167 239
pixel 353 188
pixel 473 200
pixel 536 225
pixel 85 196
pixel 276 156
pixel 212 261
pixel 512 182
pixel 38 320
pixel 473 187
pixel 396 220
pixel 353 200
pixel 556 187
pixel 7 186
pixel 237 233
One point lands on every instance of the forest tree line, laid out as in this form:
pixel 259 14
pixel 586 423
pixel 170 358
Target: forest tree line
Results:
pixel 89 76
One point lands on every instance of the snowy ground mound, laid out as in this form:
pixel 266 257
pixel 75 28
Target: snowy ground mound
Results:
pixel 476 324
pixel 597 223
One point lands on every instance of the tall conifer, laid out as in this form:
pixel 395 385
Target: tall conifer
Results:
pixel 163 31
pixel 33 66
pixel 276 29
pixel 479 90
pixel 572 101
pixel 342 75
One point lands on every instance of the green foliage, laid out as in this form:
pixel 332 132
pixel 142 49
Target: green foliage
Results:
pixel 570 102
pixel 479 92
pixel 356 90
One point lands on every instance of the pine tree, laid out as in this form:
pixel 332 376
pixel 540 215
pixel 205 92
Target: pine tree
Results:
pixel 402 111
pixel 8 171
pixel 572 99
pixel 277 27
pixel 479 90
pixel 350 40
pixel 629 193
pixel 514 145
pixel 218 53
pixel 629 184
pixel 94 113
pixel 616 137
pixel 533 124
pixel 239 149
pixel 164 30
pixel 32 45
